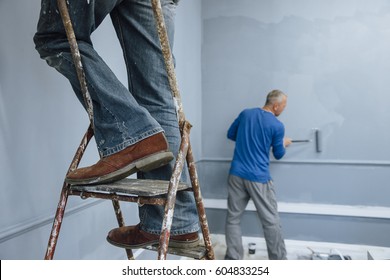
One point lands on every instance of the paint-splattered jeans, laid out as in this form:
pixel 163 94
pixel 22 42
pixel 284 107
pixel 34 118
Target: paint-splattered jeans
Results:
pixel 122 116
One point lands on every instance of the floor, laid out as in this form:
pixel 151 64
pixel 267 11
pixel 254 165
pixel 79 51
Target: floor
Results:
pixel 296 250
pixel 304 250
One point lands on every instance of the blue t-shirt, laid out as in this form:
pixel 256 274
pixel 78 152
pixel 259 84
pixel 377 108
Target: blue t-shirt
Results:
pixel 255 132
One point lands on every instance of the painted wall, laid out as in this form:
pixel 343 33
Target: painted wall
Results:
pixel 41 125
pixel 187 50
pixel 332 59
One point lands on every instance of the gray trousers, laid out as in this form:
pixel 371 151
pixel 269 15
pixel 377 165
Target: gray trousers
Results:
pixel 263 196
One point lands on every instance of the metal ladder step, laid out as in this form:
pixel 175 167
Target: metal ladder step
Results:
pixel 131 187
pixel 142 188
pixel 198 253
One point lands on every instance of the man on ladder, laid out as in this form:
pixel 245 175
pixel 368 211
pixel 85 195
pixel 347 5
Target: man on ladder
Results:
pixel 136 129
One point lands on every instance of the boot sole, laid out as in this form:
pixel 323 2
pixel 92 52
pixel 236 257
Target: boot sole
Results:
pixel 172 244
pixel 135 246
pixel 145 164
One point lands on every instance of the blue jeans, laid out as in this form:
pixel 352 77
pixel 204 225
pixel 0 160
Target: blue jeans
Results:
pixel 122 116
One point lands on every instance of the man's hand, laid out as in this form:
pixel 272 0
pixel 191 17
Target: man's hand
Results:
pixel 287 141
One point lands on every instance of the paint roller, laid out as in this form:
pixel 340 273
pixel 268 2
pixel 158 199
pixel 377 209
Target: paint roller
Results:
pixel 317 137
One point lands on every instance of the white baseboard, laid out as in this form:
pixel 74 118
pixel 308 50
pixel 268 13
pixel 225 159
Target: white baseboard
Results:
pixel 314 209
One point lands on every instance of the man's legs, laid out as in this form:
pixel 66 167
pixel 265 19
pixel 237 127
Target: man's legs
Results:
pixel 238 199
pixel 263 196
pixel 121 125
pixel 120 121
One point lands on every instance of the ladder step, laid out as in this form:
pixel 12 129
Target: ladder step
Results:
pixel 133 187
pixel 197 253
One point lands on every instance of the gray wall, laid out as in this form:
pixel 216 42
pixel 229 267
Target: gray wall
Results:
pixel 41 125
pixel 332 59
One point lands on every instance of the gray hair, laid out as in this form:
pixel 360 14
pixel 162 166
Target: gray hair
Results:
pixel 275 96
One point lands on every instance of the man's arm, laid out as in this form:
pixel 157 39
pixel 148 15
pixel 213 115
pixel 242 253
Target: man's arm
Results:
pixel 279 142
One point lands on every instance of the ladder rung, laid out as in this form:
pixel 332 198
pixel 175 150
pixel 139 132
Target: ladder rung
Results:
pixel 134 187
pixel 198 252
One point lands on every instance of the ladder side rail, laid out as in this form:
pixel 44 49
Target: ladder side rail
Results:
pixel 76 57
pixel 171 195
pixel 121 223
pixel 63 9
pixel 168 59
pixel 170 68
pixel 64 196
pixel 199 203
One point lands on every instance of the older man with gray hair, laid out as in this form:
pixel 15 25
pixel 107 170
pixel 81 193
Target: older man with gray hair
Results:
pixel 255 132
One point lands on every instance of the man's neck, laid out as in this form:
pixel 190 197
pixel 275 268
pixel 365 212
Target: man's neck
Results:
pixel 266 108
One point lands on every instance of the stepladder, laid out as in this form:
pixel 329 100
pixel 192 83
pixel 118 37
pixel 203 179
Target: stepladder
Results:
pixel 154 192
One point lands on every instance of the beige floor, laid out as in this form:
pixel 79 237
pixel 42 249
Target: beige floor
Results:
pixel 297 250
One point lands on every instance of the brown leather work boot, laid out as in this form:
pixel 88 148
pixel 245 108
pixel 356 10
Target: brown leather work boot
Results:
pixel 144 155
pixel 132 237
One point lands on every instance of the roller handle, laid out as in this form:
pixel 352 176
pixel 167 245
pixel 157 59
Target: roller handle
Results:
pixel 301 141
